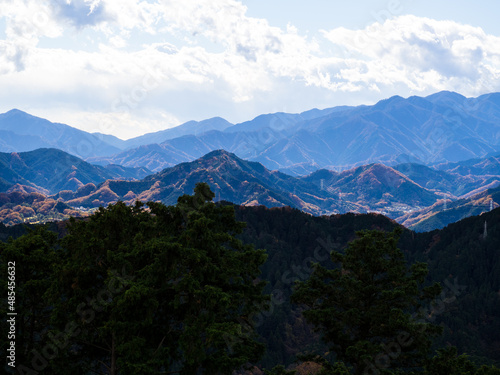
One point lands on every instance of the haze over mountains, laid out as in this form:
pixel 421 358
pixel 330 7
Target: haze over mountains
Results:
pixel 20 131
pixel 445 127
pixel 440 128
pixel 401 157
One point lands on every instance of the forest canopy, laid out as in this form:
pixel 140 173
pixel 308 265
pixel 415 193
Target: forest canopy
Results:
pixel 152 288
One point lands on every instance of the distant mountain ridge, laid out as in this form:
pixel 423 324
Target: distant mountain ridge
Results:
pixel 401 157
pixel 441 128
pixel 409 193
pixel 21 132
pixel 441 214
pixel 230 178
pixel 188 128
pixel 454 182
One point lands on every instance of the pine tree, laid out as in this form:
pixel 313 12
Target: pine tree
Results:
pixel 366 307
pixel 27 265
pixel 168 288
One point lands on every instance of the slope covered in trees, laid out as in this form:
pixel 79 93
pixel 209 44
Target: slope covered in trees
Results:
pixel 466 264
pixel 370 301
pixel 135 291
pixel 464 260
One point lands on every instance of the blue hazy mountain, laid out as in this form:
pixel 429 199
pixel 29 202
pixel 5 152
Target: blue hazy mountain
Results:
pixel 188 128
pixel 489 165
pixel 440 128
pixel 439 215
pixel 20 131
pixel 456 181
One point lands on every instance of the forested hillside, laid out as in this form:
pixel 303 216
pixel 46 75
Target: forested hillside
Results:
pixel 457 256
pixel 464 258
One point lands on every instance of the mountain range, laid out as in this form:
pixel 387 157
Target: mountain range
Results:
pixel 441 128
pixel 422 161
pixel 368 188
pixel 411 194
pixel 20 131
pixel 445 127
pixel 440 214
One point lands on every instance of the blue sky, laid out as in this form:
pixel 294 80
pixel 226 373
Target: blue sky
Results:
pixel 128 67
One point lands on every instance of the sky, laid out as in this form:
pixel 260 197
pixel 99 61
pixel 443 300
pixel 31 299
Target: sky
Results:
pixel 129 67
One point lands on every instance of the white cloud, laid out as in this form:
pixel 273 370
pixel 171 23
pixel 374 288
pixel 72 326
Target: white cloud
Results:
pixel 422 53
pixel 26 22
pixel 187 59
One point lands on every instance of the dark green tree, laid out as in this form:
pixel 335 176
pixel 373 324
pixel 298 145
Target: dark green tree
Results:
pixel 27 265
pixel 448 362
pixel 158 290
pixel 488 370
pixel 366 307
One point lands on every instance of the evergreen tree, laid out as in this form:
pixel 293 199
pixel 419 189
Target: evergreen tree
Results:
pixel 158 290
pixel 27 265
pixel 447 362
pixel 364 306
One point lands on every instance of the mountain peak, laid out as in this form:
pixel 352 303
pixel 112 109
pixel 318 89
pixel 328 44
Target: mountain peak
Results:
pixel 15 111
pixel 21 122
pixel 446 96
pixel 18 113
pixel 386 103
pixel 30 132
pixel 216 118
pixel 217 153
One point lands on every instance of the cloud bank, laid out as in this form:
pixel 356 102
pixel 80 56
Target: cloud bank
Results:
pixel 132 66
